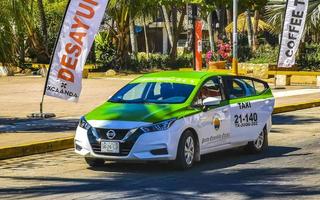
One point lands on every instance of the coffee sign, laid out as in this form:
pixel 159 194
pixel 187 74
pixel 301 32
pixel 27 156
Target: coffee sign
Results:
pixel 293 29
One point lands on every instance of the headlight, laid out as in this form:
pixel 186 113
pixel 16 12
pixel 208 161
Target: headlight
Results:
pixel 84 124
pixel 161 126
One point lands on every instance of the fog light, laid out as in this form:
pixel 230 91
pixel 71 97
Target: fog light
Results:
pixel 163 151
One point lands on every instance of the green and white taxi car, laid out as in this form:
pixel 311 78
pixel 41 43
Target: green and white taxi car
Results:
pixel 177 116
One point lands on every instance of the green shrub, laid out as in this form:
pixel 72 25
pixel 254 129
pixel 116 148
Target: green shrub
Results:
pixel 265 54
pixel 244 53
pixel 143 62
pixel 309 57
pixel 105 50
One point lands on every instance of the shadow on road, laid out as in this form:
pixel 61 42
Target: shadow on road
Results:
pixel 13 125
pixel 283 119
pixel 213 175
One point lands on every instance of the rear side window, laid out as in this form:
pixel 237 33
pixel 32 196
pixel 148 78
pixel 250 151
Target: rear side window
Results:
pixel 239 87
pixel 250 86
pixel 260 87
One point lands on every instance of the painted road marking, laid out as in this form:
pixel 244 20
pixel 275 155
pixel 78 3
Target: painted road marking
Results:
pixel 295 92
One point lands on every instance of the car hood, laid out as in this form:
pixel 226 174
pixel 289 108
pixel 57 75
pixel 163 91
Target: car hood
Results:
pixel 139 112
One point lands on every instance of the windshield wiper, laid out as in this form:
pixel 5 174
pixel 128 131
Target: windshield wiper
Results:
pixel 116 101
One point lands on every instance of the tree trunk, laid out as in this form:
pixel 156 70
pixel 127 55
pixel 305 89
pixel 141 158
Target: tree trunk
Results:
pixel 132 37
pixel 146 36
pixel 178 27
pixel 43 22
pixel 223 23
pixel 218 11
pixel 22 55
pixel 211 36
pixel 167 24
pixel 249 27
pixel 173 52
pixel 255 30
pixel 229 20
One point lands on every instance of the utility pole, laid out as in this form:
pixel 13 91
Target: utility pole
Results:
pixel 235 37
pixel 194 17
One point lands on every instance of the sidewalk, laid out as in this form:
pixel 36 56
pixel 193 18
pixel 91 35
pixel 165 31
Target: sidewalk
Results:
pixel 26 133
pixel 296 96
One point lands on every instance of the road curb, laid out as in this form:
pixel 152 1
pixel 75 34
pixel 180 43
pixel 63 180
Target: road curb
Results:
pixel 294 107
pixel 36 148
pixel 66 143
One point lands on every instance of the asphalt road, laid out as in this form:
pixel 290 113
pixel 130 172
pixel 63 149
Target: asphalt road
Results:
pixel 290 169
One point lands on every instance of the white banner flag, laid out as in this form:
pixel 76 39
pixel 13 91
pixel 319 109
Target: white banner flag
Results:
pixel 293 28
pixel 81 24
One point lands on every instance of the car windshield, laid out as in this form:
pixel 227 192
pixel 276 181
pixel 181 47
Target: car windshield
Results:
pixel 153 92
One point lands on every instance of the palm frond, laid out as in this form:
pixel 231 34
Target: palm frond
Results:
pixel 275 11
pixel 242 24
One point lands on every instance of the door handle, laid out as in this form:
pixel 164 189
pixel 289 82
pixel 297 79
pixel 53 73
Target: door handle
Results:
pixel 225 110
pixel 204 118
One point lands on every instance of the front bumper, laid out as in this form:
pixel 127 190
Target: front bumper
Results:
pixel 147 146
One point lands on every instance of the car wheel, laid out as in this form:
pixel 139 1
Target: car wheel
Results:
pixel 94 162
pixel 260 144
pixel 186 151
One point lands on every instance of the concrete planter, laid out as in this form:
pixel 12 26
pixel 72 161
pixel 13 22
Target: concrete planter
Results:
pixel 217 65
pixel 111 73
pixel 85 73
pixel 255 70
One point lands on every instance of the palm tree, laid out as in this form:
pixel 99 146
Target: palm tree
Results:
pixel 147 10
pixel 243 24
pixel 6 35
pixel 258 7
pixel 275 11
pixel 119 12
pixel 207 9
pixel 12 31
pixel 43 23
pixel 249 27
pixel 133 39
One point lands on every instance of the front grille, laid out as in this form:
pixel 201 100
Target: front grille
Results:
pixel 120 133
pixel 125 147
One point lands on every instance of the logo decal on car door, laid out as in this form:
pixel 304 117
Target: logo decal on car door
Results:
pixel 216 123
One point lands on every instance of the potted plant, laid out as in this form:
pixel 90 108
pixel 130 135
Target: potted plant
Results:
pixel 220 59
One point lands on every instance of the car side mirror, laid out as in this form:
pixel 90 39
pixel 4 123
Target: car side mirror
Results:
pixel 212 101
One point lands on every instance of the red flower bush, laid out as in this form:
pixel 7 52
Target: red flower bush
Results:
pixel 223 52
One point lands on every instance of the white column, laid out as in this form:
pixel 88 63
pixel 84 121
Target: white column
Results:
pixel 283 80
pixel 165 40
pixel 318 81
pixel 4 71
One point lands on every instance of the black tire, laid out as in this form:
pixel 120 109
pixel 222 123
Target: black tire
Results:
pixel 181 161
pixel 253 147
pixel 94 162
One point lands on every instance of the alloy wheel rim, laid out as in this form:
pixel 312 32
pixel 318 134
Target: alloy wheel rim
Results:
pixel 189 150
pixel 259 142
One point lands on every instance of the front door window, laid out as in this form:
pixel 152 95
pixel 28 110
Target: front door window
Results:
pixel 211 88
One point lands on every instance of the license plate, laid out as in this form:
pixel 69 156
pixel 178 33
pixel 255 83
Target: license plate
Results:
pixel 110 147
